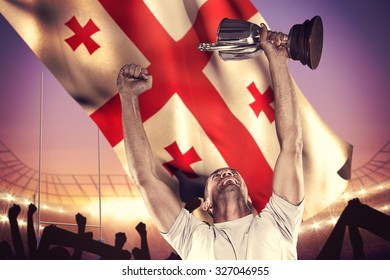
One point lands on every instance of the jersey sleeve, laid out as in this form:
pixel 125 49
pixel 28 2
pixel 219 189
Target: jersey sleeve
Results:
pixel 286 216
pixel 181 233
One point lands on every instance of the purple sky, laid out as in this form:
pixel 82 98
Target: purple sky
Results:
pixel 350 89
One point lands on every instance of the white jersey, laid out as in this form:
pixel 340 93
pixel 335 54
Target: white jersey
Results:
pixel 271 235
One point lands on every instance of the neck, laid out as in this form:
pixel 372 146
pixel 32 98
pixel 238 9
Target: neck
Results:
pixel 224 212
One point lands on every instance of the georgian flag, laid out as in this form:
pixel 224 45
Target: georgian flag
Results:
pixel 202 113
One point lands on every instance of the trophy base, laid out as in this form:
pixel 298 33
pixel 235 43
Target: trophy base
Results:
pixel 305 42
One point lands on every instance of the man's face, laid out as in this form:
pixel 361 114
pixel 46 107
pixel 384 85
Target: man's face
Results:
pixel 225 180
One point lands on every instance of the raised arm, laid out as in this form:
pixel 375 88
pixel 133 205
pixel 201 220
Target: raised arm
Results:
pixel 13 213
pixel 162 203
pixel 288 171
pixel 31 236
pixel 81 224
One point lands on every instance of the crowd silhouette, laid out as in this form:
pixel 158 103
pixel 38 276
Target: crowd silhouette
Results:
pixel 60 244
pixel 355 215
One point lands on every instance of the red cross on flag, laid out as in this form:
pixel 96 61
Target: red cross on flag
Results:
pixel 202 113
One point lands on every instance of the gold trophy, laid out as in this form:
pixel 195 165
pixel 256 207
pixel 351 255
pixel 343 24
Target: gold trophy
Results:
pixel 238 40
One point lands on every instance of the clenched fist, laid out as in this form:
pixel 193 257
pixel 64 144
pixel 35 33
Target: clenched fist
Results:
pixel 133 79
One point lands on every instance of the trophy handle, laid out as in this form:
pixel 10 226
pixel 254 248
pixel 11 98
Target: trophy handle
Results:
pixel 210 47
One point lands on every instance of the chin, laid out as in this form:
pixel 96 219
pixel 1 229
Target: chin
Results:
pixel 229 187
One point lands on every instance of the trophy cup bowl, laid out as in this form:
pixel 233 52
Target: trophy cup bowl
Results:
pixel 239 40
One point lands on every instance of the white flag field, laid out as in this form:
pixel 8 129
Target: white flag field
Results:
pixel 202 113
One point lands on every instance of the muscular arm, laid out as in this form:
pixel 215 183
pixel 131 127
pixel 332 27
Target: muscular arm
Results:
pixel 161 202
pixel 288 171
